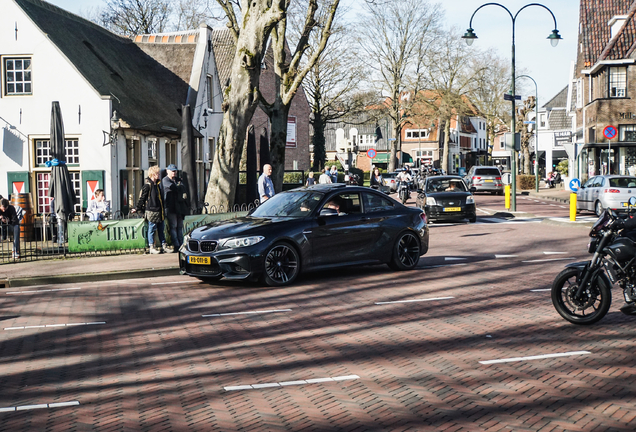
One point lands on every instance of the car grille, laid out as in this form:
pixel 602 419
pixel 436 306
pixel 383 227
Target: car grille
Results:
pixel 208 246
pixel 450 203
pixel 193 246
pixel 212 270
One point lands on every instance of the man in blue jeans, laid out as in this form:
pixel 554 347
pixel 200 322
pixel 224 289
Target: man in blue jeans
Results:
pixel 172 210
pixel 151 205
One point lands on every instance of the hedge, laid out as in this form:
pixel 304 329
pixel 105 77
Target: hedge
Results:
pixel 525 182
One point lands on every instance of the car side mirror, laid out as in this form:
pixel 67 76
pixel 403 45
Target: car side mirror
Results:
pixel 328 212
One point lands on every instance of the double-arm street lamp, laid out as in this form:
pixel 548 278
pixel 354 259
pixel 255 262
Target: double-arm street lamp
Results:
pixel 554 37
pixel 536 132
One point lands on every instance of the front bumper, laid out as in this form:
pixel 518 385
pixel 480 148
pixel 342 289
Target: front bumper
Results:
pixel 467 211
pixel 230 264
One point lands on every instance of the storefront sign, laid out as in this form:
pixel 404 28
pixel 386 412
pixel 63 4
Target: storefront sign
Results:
pixel 107 235
pixel 563 137
pixel 627 116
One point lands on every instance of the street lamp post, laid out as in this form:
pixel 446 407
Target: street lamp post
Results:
pixel 554 37
pixel 536 132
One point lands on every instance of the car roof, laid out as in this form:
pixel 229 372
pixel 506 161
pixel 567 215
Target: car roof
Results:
pixel 329 187
pixel 456 177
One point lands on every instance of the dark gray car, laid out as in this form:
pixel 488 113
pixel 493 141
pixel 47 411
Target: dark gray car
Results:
pixel 485 179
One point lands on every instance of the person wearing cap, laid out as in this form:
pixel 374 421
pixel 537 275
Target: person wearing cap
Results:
pixel 170 201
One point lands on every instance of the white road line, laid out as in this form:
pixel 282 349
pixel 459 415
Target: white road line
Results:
pixel 177 282
pixel 454 259
pixel 554 253
pixel 248 313
pixel 506 256
pixel 549 259
pixel 483 211
pixel 541 290
pixel 41 291
pixel 553 205
pixel 563 206
pixel 537 357
pixel 290 383
pixel 39 406
pixel 413 301
pixel 54 325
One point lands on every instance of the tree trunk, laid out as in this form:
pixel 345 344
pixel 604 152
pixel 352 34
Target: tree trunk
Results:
pixel 318 141
pixel 240 102
pixel 277 144
pixel 445 163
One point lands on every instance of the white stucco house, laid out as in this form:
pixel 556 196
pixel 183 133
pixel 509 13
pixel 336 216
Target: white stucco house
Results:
pixel 121 102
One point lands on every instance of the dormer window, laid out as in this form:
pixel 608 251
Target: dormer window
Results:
pixel 617 82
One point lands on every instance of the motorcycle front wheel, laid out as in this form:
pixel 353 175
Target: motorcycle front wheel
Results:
pixel 593 305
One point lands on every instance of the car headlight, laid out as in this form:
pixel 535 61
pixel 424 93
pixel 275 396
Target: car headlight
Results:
pixel 430 201
pixel 238 242
pixel 470 200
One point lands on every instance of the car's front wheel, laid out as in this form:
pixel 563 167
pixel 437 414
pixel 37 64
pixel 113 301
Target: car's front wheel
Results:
pixel 282 265
pixel 406 252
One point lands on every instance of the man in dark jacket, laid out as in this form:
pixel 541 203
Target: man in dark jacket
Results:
pixel 173 213
pixel 9 218
pixel 151 204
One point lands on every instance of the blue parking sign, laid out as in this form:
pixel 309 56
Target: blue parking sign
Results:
pixel 575 184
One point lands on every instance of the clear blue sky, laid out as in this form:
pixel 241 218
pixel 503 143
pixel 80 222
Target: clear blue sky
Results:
pixel 549 66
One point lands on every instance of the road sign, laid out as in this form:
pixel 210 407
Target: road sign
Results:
pixel 575 184
pixel 610 132
pixel 508 96
pixel 506 178
pixel 371 153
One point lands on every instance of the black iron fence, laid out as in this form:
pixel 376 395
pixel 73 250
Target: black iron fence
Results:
pixel 42 236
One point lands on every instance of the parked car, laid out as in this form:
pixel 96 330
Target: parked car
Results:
pixel 309 228
pixel 447 198
pixel 606 191
pixel 485 179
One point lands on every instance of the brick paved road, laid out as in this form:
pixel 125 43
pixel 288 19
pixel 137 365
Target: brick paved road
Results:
pixel 156 364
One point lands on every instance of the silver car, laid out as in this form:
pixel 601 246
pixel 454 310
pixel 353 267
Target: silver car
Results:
pixel 606 191
pixel 485 179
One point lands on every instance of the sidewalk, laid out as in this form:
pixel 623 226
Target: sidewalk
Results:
pixel 88 269
pixel 556 194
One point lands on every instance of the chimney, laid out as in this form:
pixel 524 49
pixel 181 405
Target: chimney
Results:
pixel 616 23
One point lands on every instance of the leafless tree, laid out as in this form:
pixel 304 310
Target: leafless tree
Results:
pixel 395 38
pixel 132 17
pixel 524 134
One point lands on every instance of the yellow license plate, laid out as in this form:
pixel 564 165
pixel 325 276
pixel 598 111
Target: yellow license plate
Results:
pixel 488 181
pixel 199 260
pixel 451 209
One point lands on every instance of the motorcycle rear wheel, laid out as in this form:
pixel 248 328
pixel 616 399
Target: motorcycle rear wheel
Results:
pixel 590 309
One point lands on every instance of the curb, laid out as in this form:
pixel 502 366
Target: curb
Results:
pixel 545 197
pixel 89 277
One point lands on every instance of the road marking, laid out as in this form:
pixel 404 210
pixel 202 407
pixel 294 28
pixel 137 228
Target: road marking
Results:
pixel 537 357
pixel 454 259
pixel 553 205
pixel 54 325
pixel 554 253
pixel 248 313
pixel 563 206
pixel 41 291
pixel 181 282
pixel 443 265
pixel 541 290
pixel 415 300
pixel 483 211
pixel 506 256
pixel 39 406
pixel 290 383
pixel 549 259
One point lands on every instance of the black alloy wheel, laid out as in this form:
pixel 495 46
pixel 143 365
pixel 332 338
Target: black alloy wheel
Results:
pixel 282 265
pixel 406 253
pixel 590 307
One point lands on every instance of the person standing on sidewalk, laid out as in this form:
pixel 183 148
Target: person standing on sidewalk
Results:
pixel 265 184
pixel 10 218
pixel 151 204
pixel 171 202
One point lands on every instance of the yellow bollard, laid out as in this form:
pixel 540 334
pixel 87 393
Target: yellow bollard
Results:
pixel 573 207
pixel 507 190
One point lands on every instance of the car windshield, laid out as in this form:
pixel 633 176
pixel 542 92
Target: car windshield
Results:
pixel 445 185
pixel 289 204
pixel 487 171
pixel 623 182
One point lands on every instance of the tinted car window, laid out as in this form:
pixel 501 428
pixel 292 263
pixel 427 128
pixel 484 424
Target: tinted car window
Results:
pixel 622 182
pixel 445 185
pixel 487 171
pixel 376 203
pixel 589 183
pixel 293 204
pixel 598 182
pixel 348 203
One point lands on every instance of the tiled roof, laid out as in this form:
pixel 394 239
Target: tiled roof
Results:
pixel 560 100
pixel 174 50
pixel 595 39
pixel 558 119
pixel 145 94
pixel 224 47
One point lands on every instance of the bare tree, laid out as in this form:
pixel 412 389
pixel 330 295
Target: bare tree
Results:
pixel 291 68
pixel 394 38
pixel 524 134
pixel 190 14
pixel 132 17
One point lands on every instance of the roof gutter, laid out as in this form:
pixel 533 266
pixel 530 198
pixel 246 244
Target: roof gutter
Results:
pixel 599 65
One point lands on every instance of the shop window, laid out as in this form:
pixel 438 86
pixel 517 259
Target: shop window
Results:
pixel 152 152
pixel 42 190
pixel 627 133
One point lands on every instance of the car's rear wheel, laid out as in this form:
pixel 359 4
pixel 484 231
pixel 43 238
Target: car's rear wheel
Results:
pixel 406 252
pixel 598 208
pixel 282 265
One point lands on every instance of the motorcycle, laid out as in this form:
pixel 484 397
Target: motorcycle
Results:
pixel 404 191
pixel 581 293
